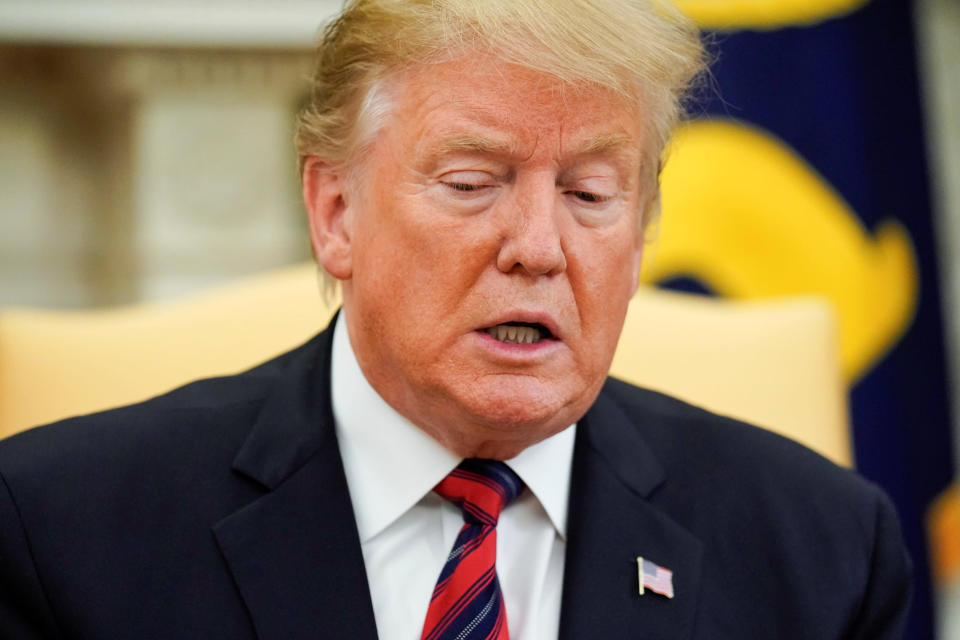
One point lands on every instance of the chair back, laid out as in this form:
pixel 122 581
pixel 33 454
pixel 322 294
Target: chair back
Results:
pixel 771 363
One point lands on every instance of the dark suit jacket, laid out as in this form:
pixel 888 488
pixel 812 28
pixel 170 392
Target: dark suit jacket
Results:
pixel 220 510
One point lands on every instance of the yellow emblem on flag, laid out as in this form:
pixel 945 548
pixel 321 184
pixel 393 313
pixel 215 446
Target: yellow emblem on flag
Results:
pixel 763 14
pixel 750 218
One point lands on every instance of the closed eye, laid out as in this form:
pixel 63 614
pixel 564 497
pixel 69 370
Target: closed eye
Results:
pixel 588 196
pixel 464 186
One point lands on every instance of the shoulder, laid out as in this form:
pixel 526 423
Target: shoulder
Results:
pixel 90 501
pixel 718 469
pixel 687 437
pixel 774 518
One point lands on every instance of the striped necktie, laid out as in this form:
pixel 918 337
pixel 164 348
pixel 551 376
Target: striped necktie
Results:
pixel 467 603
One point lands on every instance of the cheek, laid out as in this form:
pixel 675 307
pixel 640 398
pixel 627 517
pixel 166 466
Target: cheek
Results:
pixel 435 259
pixel 603 280
pixel 415 270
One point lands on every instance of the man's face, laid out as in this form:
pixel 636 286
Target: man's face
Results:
pixel 493 248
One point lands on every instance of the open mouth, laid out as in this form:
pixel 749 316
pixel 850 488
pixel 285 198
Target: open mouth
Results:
pixel 519 332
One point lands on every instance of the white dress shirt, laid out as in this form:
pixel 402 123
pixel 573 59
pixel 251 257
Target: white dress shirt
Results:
pixel 406 530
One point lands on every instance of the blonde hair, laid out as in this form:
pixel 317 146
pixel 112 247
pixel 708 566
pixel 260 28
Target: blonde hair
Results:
pixel 644 51
pixel 625 46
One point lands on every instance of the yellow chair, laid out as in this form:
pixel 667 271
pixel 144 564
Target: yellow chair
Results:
pixel 771 363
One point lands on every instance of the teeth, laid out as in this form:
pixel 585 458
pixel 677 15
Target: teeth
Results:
pixel 515 335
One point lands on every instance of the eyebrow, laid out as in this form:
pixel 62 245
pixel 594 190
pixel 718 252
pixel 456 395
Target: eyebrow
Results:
pixel 607 143
pixel 476 144
pixel 597 145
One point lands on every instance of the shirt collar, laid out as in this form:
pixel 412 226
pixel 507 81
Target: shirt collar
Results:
pixel 545 468
pixel 390 464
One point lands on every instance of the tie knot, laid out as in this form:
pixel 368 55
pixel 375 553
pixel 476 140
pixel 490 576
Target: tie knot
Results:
pixel 481 488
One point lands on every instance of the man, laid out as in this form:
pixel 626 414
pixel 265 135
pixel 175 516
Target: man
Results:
pixel 478 176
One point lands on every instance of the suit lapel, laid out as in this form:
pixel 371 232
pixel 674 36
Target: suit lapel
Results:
pixel 295 553
pixel 611 522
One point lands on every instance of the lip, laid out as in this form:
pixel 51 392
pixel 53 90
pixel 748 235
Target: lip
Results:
pixel 529 317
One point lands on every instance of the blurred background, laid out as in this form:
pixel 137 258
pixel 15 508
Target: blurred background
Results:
pixel 146 153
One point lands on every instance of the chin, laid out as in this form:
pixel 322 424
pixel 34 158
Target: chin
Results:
pixel 515 411
pixel 500 416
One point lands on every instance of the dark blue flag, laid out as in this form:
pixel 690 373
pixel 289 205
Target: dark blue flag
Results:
pixel 805 172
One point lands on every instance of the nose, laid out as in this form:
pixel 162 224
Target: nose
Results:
pixel 532 242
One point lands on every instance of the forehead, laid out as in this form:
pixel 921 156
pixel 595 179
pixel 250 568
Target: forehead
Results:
pixel 492 107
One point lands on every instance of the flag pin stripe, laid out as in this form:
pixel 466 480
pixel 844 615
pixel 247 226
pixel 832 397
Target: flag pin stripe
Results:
pixel 654 577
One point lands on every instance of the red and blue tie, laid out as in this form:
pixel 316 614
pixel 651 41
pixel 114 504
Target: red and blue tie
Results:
pixel 467 603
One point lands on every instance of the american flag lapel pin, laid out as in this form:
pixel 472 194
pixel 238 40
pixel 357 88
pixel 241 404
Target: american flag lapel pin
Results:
pixel 654 577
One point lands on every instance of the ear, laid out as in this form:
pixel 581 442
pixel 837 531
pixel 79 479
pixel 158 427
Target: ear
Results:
pixel 326 201
pixel 637 257
pixel 649 213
